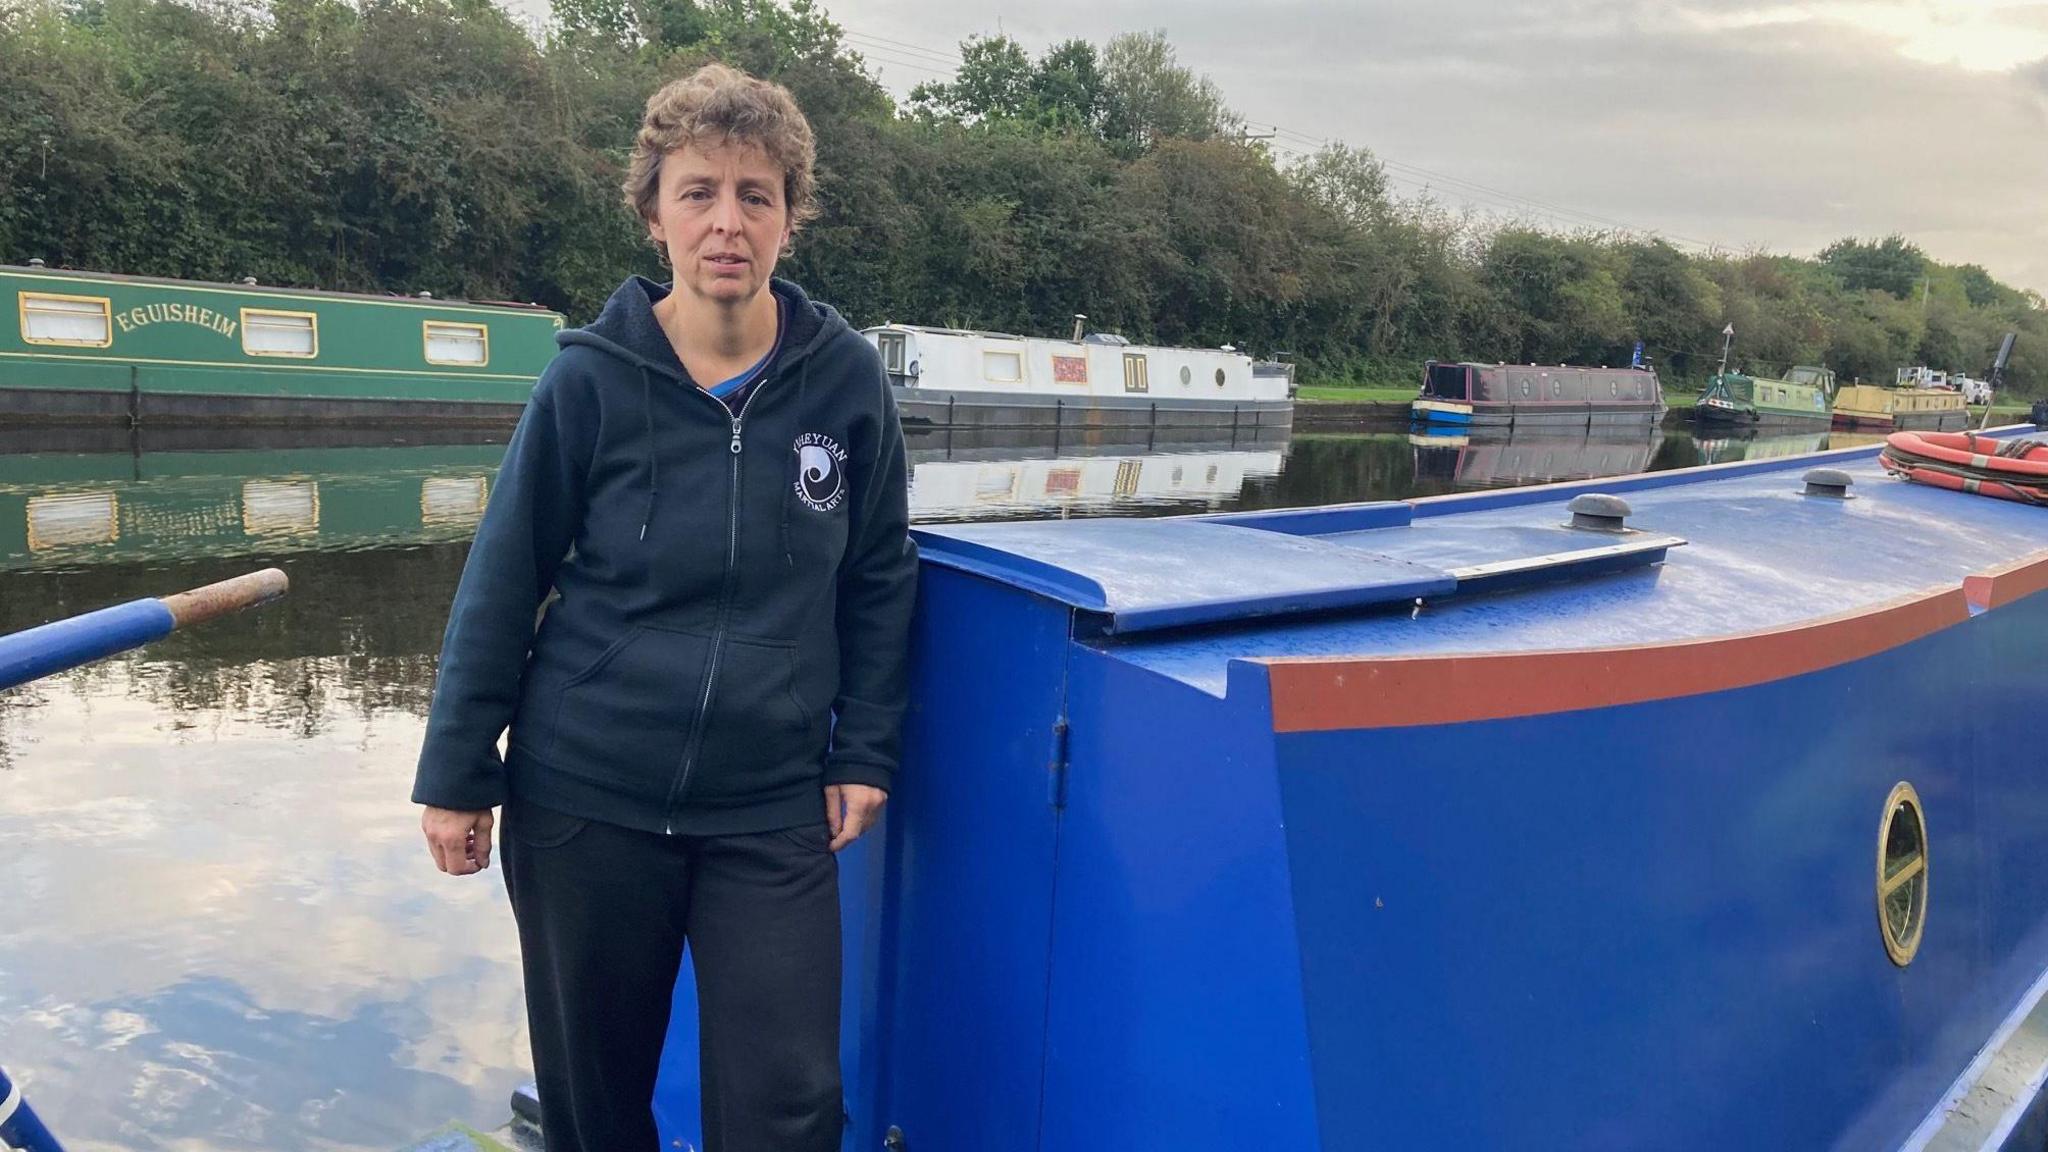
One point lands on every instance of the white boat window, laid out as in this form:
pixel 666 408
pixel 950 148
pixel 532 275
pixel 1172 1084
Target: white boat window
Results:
pixel 267 333
pixel 893 346
pixel 1002 367
pixel 1219 377
pixel 1136 375
pixel 449 343
pixel 75 321
pixel 1187 375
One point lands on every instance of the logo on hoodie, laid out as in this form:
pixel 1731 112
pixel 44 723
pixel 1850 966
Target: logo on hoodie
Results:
pixel 820 471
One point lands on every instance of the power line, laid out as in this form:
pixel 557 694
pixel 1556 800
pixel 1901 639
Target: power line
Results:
pixel 905 47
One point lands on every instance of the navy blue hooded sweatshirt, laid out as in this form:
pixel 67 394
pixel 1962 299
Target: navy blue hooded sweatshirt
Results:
pixel 734 589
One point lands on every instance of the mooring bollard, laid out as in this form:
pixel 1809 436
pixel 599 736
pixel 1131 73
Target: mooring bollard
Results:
pixel 19 1127
pixel 53 647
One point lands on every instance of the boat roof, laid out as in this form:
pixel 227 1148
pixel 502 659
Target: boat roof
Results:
pixel 1549 367
pixel 171 281
pixel 1106 339
pixel 1719 551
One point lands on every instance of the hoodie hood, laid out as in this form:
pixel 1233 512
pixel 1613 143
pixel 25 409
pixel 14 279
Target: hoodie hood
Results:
pixel 627 329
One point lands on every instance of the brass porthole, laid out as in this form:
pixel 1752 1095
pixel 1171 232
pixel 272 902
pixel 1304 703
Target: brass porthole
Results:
pixel 1902 874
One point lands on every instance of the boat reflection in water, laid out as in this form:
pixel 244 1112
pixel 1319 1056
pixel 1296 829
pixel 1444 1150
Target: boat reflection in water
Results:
pixel 1014 474
pixel 91 496
pixel 1502 459
pixel 97 497
pixel 1736 445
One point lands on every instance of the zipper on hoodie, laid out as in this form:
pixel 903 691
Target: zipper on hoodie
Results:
pixel 681 784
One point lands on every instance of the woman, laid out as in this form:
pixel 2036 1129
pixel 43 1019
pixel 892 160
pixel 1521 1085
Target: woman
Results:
pixel 710 482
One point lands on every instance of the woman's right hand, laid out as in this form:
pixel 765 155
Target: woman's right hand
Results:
pixel 460 841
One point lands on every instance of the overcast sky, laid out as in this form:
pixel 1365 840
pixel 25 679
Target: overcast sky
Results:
pixel 1727 124
pixel 1744 125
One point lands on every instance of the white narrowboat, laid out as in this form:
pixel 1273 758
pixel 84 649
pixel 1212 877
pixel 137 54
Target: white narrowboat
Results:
pixel 953 378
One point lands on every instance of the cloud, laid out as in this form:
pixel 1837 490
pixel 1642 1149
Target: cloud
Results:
pixel 1781 126
pixel 239 942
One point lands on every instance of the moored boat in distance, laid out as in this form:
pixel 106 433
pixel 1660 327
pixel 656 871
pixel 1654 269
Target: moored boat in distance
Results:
pixel 91 347
pixel 1517 395
pixel 954 378
pixel 1899 409
pixel 1802 397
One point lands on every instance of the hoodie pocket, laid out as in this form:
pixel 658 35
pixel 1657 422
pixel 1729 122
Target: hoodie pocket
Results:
pixel 625 720
pixel 759 738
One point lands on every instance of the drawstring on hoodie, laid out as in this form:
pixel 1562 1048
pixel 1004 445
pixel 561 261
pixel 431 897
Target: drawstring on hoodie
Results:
pixel 653 465
pixel 803 384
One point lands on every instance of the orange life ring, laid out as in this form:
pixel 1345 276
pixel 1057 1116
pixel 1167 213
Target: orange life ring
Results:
pixel 1967 450
pixel 1957 483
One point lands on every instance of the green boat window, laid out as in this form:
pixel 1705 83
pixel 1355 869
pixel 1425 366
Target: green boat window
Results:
pixel 73 321
pixel 449 343
pixel 268 333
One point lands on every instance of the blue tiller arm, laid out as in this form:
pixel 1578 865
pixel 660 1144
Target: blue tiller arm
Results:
pixel 53 647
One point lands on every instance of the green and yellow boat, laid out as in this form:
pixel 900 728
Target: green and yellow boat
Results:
pixel 1804 396
pixel 91 347
pixel 1900 409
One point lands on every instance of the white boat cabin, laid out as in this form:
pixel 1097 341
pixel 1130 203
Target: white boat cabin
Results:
pixel 1098 366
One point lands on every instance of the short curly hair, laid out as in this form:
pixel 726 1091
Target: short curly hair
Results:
pixel 719 105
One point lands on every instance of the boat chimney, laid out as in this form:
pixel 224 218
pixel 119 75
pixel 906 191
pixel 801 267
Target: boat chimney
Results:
pixel 1598 512
pixel 249 280
pixel 426 295
pixel 1832 483
pixel 35 261
pixel 1080 326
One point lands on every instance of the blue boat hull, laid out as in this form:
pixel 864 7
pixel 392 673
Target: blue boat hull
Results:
pixel 1332 882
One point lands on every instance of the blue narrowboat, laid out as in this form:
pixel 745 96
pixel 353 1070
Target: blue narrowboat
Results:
pixel 1697 810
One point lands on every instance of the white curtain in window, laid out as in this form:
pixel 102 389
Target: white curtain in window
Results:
pixel 455 343
pixel 64 321
pixel 1005 367
pixel 272 334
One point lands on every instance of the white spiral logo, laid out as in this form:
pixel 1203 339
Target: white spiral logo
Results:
pixel 820 478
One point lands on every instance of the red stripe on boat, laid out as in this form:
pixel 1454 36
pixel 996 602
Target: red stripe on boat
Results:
pixel 1332 694
pixel 2007 583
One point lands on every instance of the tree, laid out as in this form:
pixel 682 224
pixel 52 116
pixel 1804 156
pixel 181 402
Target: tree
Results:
pixel 994 82
pixel 1888 265
pixel 1148 97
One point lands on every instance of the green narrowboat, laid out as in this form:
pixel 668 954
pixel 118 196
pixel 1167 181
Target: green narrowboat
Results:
pixel 92 347
pixel 1804 396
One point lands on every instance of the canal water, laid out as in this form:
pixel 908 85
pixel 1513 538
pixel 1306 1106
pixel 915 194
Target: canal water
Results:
pixel 220 928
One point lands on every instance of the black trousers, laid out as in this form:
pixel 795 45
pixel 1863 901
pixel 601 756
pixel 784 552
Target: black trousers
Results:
pixel 603 914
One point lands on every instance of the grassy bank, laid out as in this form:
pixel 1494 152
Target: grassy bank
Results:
pixel 1345 394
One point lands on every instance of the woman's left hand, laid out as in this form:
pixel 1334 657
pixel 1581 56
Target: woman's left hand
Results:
pixel 850 809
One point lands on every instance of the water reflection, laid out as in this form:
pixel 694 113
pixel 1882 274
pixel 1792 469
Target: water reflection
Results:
pixel 1533 456
pixel 978 474
pixel 1728 447
pixel 224 934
